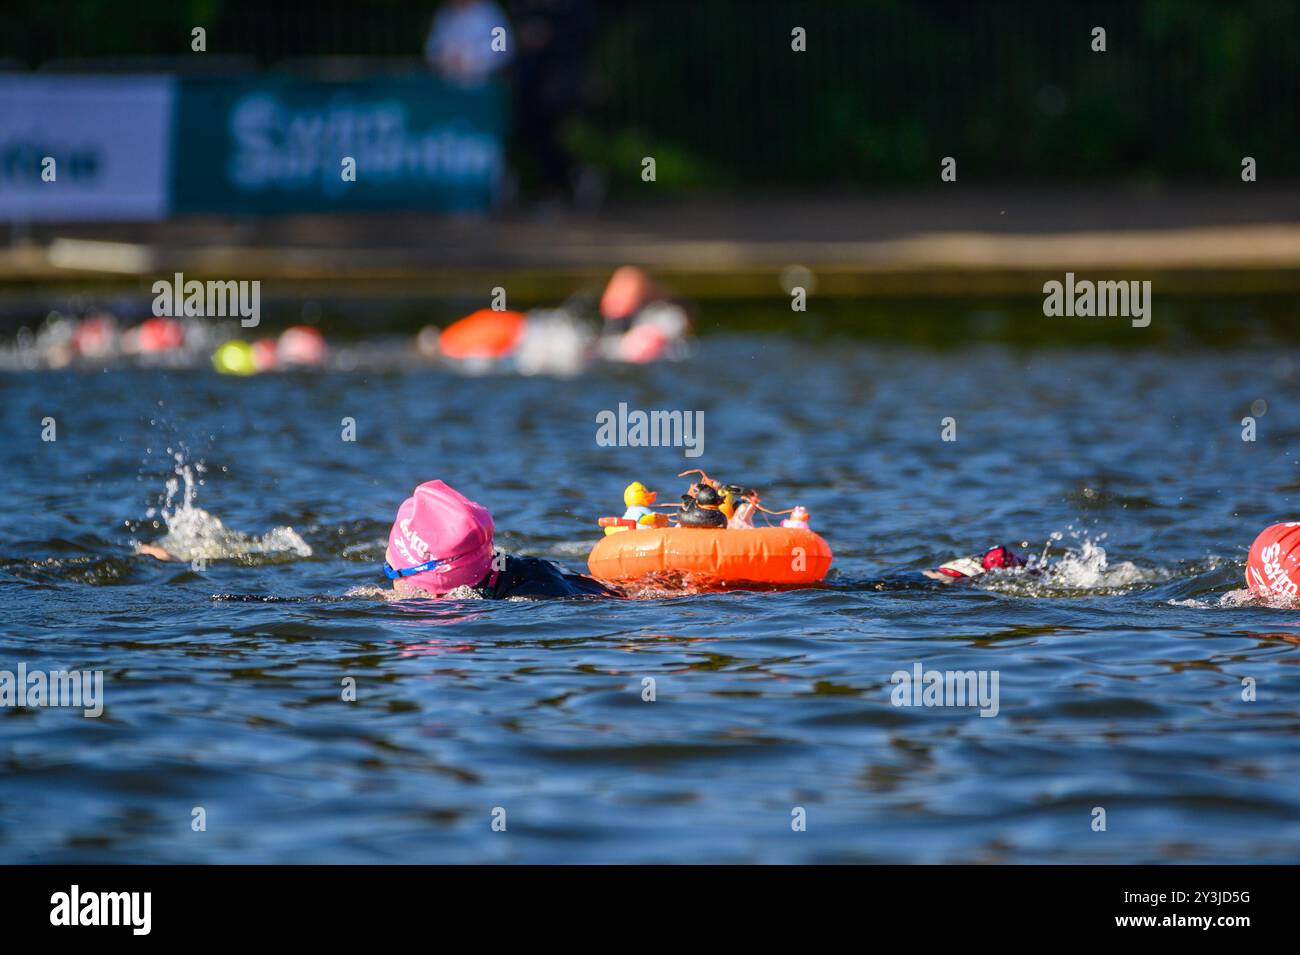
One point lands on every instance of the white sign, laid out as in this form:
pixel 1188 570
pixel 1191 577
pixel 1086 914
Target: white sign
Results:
pixel 108 137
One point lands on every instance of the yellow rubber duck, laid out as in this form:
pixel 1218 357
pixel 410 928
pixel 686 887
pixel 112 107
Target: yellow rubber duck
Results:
pixel 638 499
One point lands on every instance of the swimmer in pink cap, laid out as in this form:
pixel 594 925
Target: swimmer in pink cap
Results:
pixel 441 541
pixel 641 323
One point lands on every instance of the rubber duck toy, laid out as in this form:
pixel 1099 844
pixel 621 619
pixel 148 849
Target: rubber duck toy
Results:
pixel 639 500
pixel 798 518
pixel 703 509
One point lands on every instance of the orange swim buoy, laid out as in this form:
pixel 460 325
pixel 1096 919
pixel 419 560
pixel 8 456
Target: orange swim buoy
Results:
pixel 483 334
pixel 762 555
pixel 1273 567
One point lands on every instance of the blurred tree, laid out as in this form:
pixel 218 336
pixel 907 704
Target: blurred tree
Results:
pixel 884 89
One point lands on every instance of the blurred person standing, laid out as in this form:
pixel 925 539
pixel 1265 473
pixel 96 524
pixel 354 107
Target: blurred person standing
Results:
pixel 555 41
pixel 461 41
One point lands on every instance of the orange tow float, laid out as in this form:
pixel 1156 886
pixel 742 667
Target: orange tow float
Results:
pixel 759 555
pixel 714 544
pixel 483 334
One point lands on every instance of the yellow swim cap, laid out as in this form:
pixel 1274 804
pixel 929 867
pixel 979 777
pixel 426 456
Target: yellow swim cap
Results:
pixel 235 357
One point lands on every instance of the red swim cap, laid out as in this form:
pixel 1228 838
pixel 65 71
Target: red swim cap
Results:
pixel 1002 557
pixel 1273 567
pixel 159 335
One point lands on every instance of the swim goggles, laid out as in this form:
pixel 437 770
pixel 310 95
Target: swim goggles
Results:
pixel 393 574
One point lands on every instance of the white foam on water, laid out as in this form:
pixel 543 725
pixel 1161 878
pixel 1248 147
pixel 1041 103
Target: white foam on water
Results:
pixel 1243 597
pixel 579 548
pixel 1088 568
pixel 371 592
pixel 388 594
pixel 554 343
pixel 196 534
pixel 366 549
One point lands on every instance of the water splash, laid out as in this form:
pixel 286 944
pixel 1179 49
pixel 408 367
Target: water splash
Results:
pixel 371 592
pixel 1241 597
pixel 195 534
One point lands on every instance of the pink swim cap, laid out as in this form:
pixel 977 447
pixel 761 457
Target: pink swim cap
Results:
pixel 643 343
pixel 444 534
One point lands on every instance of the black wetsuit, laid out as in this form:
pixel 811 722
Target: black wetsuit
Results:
pixel 536 578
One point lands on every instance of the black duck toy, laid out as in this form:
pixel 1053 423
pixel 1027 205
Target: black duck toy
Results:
pixel 702 510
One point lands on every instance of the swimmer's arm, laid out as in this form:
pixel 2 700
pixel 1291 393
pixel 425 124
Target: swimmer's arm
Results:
pixel 942 578
pixel 153 550
pixel 963 568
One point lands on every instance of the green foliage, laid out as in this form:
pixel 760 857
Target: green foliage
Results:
pixel 1013 90
pixel 712 89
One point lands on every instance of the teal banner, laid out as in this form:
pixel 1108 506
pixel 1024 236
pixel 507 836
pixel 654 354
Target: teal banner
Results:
pixel 268 145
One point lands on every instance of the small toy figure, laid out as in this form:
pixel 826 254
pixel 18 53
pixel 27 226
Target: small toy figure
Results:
pixel 638 499
pixel 744 504
pixel 703 509
pixel 638 515
pixel 798 518
pixel 732 495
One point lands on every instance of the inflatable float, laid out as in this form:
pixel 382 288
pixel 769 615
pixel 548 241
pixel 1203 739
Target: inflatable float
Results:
pixel 1273 567
pixel 714 557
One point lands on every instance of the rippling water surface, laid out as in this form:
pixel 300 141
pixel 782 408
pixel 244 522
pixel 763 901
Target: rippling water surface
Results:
pixel 1120 664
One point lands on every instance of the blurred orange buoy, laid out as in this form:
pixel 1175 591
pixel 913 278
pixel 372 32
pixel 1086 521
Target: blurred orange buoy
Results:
pixel 483 334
